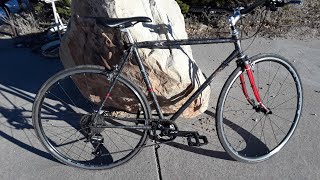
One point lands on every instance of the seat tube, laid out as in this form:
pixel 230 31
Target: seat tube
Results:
pixel 148 83
pixel 144 73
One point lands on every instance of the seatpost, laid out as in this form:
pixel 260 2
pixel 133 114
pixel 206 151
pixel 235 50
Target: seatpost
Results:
pixel 127 32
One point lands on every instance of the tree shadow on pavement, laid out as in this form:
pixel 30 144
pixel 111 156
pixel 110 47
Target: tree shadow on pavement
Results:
pixel 22 74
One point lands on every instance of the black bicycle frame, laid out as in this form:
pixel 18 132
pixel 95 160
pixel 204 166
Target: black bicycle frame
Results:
pixel 170 44
pixel 167 44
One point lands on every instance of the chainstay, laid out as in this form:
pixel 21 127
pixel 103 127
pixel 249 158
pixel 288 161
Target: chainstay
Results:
pixel 135 119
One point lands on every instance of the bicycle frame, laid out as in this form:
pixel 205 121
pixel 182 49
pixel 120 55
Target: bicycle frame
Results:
pixel 242 61
pixel 58 26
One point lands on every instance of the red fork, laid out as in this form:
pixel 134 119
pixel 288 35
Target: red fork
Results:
pixel 254 88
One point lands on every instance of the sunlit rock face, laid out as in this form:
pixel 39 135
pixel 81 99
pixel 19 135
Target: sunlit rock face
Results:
pixel 173 72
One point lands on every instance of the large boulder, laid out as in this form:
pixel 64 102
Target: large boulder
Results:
pixel 173 72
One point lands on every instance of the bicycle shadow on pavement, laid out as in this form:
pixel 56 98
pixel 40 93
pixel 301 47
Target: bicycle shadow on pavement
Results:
pixel 253 146
pixel 22 73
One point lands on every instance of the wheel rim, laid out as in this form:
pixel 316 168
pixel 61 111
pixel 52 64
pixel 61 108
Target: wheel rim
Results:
pixel 240 136
pixel 59 128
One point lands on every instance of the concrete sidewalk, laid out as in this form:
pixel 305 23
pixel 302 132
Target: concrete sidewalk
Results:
pixel 299 159
pixel 21 154
pixel 23 157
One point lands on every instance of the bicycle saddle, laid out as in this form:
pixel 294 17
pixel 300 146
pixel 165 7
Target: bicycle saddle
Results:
pixel 120 22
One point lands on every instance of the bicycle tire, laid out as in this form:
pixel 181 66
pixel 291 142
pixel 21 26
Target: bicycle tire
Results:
pixel 63 127
pixel 235 125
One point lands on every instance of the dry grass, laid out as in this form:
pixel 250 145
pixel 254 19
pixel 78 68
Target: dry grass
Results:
pixel 26 24
pixel 289 22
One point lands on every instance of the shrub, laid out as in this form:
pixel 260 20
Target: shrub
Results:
pixel 44 12
pixel 184 7
pixel 185 4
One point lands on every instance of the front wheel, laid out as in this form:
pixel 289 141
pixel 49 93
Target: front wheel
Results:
pixel 69 123
pixel 246 132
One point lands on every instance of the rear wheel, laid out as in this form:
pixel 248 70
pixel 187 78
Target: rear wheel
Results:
pixel 66 117
pixel 252 135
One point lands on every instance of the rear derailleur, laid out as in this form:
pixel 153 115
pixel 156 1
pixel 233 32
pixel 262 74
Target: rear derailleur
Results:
pixel 92 132
pixel 165 131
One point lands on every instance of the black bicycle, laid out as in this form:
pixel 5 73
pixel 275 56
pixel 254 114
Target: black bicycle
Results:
pixel 95 128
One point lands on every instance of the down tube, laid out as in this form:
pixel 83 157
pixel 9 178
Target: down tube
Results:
pixel 232 56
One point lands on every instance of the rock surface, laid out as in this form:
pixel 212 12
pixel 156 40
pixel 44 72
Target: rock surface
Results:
pixel 173 72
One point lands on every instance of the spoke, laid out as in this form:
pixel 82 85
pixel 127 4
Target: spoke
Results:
pixel 279 90
pixel 240 110
pixel 242 93
pixel 269 83
pixel 123 139
pixel 282 118
pixel 64 143
pixel 59 135
pixel 249 135
pixel 56 126
pixel 88 91
pixel 77 139
pixel 284 109
pixel 68 96
pixel 233 137
pixel 262 128
pixel 57 98
pixel 68 137
pixel 64 151
pixel 73 141
pixel 255 125
pixel 273 131
pixel 67 104
pixel 238 83
pixel 239 100
pixel 283 102
pixel 83 150
pixel 72 146
pixel 27 137
pixel 276 125
pixel 113 143
pixel 122 134
pixel 244 123
pixel 240 126
pixel 240 142
pixel 56 117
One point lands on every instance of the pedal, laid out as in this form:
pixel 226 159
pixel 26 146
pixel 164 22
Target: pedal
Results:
pixel 193 137
pixel 198 140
